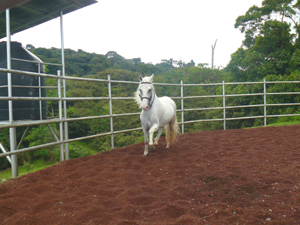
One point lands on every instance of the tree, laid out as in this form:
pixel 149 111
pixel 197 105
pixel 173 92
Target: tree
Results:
pixel 235 68
pixel 30 46
pixel 271 52
pixel 119 62
pixel 146 69
pixel 269 42
pixel 280 10
pixel 191 63
pixel 169 62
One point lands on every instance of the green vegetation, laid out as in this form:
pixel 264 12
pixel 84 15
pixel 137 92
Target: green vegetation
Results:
pixel 77 149
pixel 26 168
pixel 270 51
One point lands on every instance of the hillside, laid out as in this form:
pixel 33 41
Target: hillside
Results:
pixel 82 63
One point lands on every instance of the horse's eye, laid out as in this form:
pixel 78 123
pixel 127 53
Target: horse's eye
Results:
pixel 149 91
pixel 140 91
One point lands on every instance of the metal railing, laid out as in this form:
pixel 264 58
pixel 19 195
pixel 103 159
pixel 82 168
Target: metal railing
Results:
pixel 63 139
pixel 264 94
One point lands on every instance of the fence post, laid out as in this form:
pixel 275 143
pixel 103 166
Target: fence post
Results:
pixel 265 103
pixel 111 113
pixel 182 108
pixel 224 107
pixel 61 135
pixel 66 129
pixel 40 90
pixel 12 130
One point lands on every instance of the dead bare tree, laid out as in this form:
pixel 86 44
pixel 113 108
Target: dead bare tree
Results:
pixel 212 54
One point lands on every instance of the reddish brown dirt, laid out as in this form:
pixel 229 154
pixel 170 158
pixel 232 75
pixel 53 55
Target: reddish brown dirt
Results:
pixel 212 177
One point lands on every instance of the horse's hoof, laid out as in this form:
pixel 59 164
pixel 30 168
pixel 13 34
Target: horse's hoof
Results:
pixel 151 147
pixel 145 155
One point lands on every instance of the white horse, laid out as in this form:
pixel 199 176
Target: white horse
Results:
pixel 156 114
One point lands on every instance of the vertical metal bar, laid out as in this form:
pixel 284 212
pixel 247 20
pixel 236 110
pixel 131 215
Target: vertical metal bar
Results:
pixel 111 113
pixel 12 130
pixel 224 107
pixel 8 58
pixel 62 43
pixel 60 117
pixel 182 108
pixel 66 130
pixel 265 103
pixel 13 144
pixel 40 91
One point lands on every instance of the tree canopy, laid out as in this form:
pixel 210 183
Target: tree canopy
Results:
pixel 271 41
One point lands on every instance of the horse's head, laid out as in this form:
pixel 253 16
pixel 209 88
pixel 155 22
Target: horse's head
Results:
pixel 145 93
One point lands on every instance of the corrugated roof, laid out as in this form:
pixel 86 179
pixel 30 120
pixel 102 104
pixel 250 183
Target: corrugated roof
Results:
pixel 25 14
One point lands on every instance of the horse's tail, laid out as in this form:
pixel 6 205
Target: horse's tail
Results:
pixel 175 132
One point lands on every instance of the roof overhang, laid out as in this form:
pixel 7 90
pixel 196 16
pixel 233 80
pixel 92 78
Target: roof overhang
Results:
pixel 25 14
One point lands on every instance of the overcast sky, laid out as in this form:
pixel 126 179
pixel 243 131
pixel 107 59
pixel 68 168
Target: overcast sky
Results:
pixel 152 30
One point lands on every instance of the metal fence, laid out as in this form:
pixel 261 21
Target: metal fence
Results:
pixel 63 139
pixel 263 94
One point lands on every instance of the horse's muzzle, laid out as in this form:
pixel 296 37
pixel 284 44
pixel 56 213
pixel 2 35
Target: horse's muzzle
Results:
pixel 145 107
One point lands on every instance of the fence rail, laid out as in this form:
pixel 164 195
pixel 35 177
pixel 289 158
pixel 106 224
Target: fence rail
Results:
pixel 63 120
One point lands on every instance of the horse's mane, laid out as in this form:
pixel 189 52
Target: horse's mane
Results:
pixel 137 98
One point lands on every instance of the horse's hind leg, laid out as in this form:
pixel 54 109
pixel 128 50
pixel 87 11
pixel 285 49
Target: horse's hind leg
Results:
pixel 158 135
pixel 169 134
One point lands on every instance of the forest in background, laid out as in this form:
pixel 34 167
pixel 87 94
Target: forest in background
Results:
pixel 270 51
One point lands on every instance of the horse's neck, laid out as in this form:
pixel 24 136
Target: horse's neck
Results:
pixel 156 105
pixel 156 100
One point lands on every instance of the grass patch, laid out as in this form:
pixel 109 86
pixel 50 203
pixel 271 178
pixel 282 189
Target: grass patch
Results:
pixel 277 124
pixel 283 124
pixel 82 149
pixel 34 166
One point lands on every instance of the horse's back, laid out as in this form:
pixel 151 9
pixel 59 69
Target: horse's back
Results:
pixel 167 101
pixel 168 107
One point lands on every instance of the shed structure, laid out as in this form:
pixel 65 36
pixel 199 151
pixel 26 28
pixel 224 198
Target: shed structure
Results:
pixel 16 16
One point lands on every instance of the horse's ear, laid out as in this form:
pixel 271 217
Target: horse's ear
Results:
pixel 141 78
pixel 151 77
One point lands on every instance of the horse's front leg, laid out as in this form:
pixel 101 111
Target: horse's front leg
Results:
pixel 146 141
pixel 154 128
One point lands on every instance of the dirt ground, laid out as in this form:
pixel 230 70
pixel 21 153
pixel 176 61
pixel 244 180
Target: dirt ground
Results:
pixel 212 177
